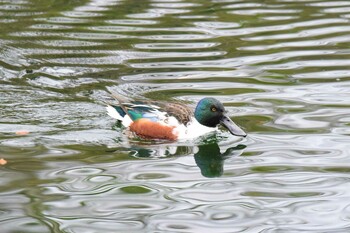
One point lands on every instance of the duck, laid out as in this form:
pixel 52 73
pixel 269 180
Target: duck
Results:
pixel 171 120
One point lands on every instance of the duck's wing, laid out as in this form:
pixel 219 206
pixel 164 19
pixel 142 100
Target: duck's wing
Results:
pixel 132 109
pixel 136 111
pixel 153 110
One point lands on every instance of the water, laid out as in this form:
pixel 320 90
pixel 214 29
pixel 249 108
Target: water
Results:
pixel 280 67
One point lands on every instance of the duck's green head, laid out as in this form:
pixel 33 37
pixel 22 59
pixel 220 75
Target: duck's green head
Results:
pixel 211 112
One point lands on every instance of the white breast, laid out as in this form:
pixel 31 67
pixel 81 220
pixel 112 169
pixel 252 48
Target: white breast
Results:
pixel 193 130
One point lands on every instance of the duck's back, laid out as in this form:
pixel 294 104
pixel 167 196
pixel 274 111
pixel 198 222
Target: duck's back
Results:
pixel 181 112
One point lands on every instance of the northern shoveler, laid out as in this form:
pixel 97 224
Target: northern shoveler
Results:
pixel 172 121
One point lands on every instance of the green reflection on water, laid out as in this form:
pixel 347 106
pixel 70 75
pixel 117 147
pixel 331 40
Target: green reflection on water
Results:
pixel 135 189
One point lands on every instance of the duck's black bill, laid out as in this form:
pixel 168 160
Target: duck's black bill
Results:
pixel 232 127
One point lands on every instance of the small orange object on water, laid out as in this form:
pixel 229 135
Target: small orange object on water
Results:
pixel 3 161
pixel 22 132
pixel 148 129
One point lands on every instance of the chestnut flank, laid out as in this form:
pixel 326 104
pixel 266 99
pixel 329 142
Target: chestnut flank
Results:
pixel 149 129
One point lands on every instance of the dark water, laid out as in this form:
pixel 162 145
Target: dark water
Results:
pixel 281 68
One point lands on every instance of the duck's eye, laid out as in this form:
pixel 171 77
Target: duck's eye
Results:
pixel 213 109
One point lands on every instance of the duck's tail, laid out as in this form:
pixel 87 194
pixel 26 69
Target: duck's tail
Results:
pixel 114 113
pixel 119 112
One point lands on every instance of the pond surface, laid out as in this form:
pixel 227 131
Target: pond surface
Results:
pixel 280 67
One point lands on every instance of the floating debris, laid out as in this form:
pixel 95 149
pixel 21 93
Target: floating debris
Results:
pixel 3 161
pixel 22 132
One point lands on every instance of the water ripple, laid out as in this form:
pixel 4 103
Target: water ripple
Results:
pixel 280 67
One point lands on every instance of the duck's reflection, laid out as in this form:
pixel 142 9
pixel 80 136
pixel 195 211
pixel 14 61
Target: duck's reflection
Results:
pixel 211 161
pixel 208 156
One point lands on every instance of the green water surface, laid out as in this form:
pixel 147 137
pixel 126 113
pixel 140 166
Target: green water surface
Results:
pixel 280 67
